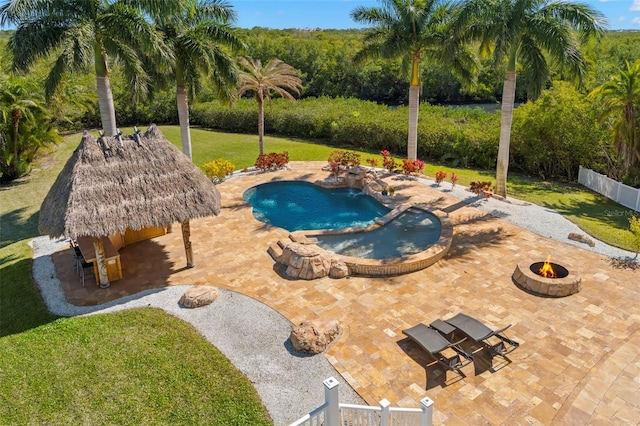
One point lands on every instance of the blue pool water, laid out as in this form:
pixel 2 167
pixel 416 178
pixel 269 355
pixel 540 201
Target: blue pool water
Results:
pixel 295 206
pixel 413 231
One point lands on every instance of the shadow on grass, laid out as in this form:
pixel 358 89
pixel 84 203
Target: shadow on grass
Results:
pixel 21 305
pixel 15 227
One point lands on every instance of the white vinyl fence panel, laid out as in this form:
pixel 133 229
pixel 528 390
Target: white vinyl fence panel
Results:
pixel 618 192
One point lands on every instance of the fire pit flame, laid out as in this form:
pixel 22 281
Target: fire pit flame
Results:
pixel 546 270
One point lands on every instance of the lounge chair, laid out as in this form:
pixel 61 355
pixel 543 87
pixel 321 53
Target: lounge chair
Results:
pixel 493 340
pixel 432 342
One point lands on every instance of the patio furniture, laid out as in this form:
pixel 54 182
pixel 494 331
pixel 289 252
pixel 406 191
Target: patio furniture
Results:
pixel 493 340
pixel 433 343
pixel 79 262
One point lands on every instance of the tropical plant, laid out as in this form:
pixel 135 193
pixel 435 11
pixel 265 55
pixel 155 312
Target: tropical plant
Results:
pixel 275 76
pixel 199 36
pixel 218 169
pixel 413 30
pixel 522 31
pixel 440 176
pixel 80 33
pixel 272 161
pixel 620 102
pixel 25 126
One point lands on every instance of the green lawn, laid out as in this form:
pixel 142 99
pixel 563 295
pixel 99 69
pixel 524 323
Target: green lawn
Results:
pixel 122 368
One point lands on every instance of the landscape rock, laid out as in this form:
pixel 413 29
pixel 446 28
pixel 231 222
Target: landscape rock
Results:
pixel 306 262
pixel 197 296
pixel 314 336
pixel 338 269
pixel 581 238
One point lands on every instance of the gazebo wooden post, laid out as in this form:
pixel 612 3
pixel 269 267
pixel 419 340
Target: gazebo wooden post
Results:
pixel 103 278
pixel 186 234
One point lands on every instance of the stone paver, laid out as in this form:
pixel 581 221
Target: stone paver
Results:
pixel 579 356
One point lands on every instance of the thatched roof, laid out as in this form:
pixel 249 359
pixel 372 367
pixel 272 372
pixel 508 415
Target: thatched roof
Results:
pixel 108 186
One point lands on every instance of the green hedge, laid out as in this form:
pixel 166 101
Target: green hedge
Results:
pixel 462 136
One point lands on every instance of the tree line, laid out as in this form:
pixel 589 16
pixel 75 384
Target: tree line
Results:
pixel 147 69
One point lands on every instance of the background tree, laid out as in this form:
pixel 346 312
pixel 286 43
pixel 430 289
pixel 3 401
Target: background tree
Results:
pixel 198 37
pixel 80 33
pixel 413 30
pixel 25 126
pixel 276 77
pixel 620 103
pixel 522 31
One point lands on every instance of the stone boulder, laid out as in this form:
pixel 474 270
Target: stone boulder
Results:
pixel 581 238
pixel 197 296
pixel 338 269
pixel 305 261
pixel 314 336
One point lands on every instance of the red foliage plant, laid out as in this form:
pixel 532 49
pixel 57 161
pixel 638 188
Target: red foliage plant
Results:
pixel 272 161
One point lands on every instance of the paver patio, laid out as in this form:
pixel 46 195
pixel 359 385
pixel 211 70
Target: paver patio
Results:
pixel 579 356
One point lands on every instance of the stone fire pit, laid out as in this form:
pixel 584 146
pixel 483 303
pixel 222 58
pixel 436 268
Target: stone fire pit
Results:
pixel 527 277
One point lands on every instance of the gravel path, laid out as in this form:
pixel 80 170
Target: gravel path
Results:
pixel 290 385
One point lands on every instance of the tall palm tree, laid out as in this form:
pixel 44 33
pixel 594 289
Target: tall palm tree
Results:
pixel 198 36
pixel 84 32
pixel 276 76
pixel 620 98
pixel 522 31
pixel 413 30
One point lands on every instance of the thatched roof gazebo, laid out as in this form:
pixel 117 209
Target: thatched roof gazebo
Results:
pixel 111 184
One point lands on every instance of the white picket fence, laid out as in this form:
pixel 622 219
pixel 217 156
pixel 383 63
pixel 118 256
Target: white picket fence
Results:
pixel 618 192
pixel 333 413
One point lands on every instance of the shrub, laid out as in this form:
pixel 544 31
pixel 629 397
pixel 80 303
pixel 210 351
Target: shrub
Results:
pixel 480 188
pixel 388 162
pixel 373 162
pixel 440 176
pixel 454 179
pixel 345 158
pixel 411 167
pixel 218 169
pixel 634 227
pixel 272 161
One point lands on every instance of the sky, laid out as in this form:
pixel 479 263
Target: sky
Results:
pixel 334 14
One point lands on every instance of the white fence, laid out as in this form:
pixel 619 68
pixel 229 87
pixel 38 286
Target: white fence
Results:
pixel 618 192
pixel 333 413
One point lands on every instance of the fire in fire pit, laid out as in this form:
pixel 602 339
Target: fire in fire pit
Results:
pixel 547 270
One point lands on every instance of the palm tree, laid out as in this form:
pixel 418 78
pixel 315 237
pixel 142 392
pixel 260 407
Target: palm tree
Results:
pixel 25 126
pixel 80 33
pixel 522 31
pixel 198 36
pixel 276 77
pixel 620 98
pixel 413 30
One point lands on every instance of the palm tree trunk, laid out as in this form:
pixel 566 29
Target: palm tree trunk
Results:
pixel 414 104
pixel 508 99
pixel 105 97
pixel 261 124
pixel 16 116
pixel 183 118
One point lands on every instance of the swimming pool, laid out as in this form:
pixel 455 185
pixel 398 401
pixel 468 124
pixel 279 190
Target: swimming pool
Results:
pixel 298 205
pixel 411 232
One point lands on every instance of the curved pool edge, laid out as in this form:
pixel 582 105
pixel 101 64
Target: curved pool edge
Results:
pixel 388 267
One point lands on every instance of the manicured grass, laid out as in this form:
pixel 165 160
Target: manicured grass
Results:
pixel 129 368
